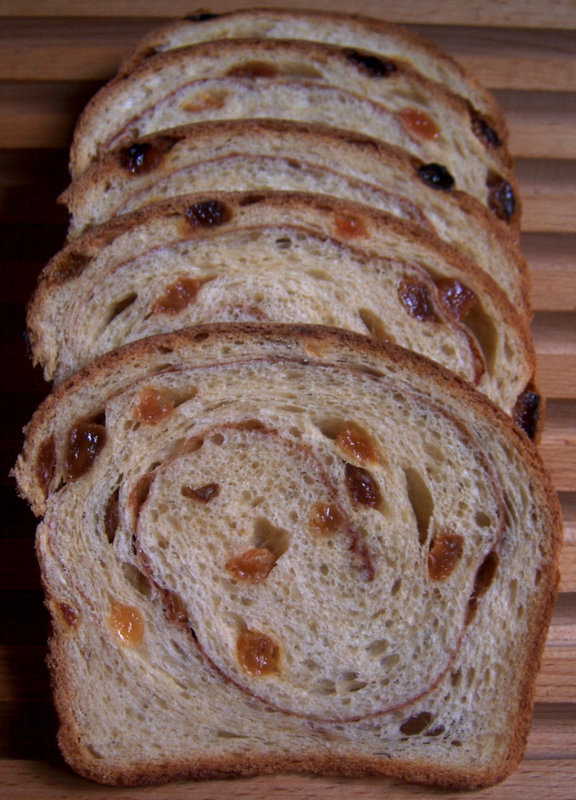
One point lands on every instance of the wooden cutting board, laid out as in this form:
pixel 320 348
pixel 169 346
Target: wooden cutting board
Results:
pixel 54 54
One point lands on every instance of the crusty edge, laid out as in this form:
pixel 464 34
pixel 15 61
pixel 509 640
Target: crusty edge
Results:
pixel 159 36
pixel 80 152
pixel 109 166
pixel 98 236
pixel 310 339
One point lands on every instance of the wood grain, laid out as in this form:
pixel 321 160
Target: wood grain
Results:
pixel 54 54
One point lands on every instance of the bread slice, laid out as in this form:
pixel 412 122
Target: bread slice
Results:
pixel 375 35
pixel 277 257
pixel 261 154
pixel 271 548
pixel 308 82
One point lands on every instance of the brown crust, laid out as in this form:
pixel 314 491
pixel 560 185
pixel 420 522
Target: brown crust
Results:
pixel 234 49
pixel 309 339
pixel 94 239
pixel 490 295
pixel 159 37
pixel 201 134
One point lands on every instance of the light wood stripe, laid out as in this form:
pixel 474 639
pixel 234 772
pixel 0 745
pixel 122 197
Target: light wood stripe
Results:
pixel 91 48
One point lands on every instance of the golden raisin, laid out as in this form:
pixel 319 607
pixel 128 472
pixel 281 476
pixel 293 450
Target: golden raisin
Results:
pixel 257 653
pixel 326 518
pixel 356 443
pixel 419 123
pixel 361 486
pixel 252 565
pixel 85 440
pixel 177 296
pixel 203 101
pixel 445 552
pixel 127 623
pixel 152 406
pixel 348 226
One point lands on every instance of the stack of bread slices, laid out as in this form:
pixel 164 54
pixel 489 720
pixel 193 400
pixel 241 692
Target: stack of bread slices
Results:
pixel 292 515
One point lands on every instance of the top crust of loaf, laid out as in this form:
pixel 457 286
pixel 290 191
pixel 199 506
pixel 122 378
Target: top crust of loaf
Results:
pixel 373 233
pixel 114 111
pixel 379 36
pixel 112 185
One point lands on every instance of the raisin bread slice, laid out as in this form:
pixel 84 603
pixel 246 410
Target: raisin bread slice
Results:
pixel 289 549
pixel 307 82
pixel 277 257
pixel 382 38
pixel 260 154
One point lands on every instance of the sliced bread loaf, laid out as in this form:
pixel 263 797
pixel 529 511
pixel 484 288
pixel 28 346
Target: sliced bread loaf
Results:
pixel 308 82
pixel 262 154
pixel 277 257
pixel 276 548
pixel 381 38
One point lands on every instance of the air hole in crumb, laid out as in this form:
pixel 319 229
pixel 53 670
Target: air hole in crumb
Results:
pixel 378 647
pixel 120 306
pixel 267 535
pixel 482 519
pixel 421 501
pixel 396 587
pixel 374 324
pixel 416 724
pixel 485 332
pixel 137 580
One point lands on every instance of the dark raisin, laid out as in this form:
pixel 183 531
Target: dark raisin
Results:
pixel 140 157
pixel 482 582
pixel 456 297
pixel 46 463
pixel 436 176
pixel 208 213
pixel 501 199
pixel 361 486
pixel 484 131
pixel 416 299
pixel 374 66
pixel 201 16
pixel 85 440
pixel 526 412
